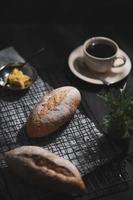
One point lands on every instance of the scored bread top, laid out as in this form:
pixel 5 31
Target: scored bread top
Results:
pixel 43 157
pixel 53 111
pixel 37 164
pixel 66 96
pixel 52 100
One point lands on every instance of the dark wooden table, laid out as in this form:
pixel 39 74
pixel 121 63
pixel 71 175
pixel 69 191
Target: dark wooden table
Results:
pixel 59 40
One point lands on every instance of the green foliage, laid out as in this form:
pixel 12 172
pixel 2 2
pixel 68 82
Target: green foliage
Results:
pixel 120 112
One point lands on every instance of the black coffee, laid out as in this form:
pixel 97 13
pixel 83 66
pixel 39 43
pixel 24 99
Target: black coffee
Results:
pixel 101 50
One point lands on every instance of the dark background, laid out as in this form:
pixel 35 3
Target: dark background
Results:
pixel 61 26
pixel 78 18
pixel 67 11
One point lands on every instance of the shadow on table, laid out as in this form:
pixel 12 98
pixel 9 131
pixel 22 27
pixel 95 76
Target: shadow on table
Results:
pixel 10 95
pixel 23 188
pixel 105 180
pixel 24 139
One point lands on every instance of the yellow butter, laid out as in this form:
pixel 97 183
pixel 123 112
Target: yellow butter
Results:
pixel 18 79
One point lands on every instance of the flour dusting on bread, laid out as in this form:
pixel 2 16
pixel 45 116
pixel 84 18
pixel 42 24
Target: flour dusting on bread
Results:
pixel 55 109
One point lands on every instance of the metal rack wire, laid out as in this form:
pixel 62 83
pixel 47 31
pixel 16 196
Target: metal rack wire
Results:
pixel 78 141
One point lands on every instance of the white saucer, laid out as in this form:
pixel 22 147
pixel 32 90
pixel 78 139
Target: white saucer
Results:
pixel 75 62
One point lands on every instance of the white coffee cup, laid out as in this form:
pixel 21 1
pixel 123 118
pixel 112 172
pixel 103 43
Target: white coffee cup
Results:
pixel 101 53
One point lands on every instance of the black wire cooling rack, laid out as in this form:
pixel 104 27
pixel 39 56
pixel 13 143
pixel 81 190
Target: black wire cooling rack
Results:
pixel 78 141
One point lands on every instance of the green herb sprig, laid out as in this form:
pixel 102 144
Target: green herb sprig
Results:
pixel 119 118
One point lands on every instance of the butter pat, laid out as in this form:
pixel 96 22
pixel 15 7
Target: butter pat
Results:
pixel 18 79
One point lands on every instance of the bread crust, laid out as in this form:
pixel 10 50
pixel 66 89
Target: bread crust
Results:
pixel 54 110
pixel 44 168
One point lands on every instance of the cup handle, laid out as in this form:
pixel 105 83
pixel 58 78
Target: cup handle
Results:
pixel 123 58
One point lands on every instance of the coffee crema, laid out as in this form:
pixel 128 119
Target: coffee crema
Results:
pixel 101 50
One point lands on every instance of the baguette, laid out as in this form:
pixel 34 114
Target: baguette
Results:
pixel 54 110
pixel 44 168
